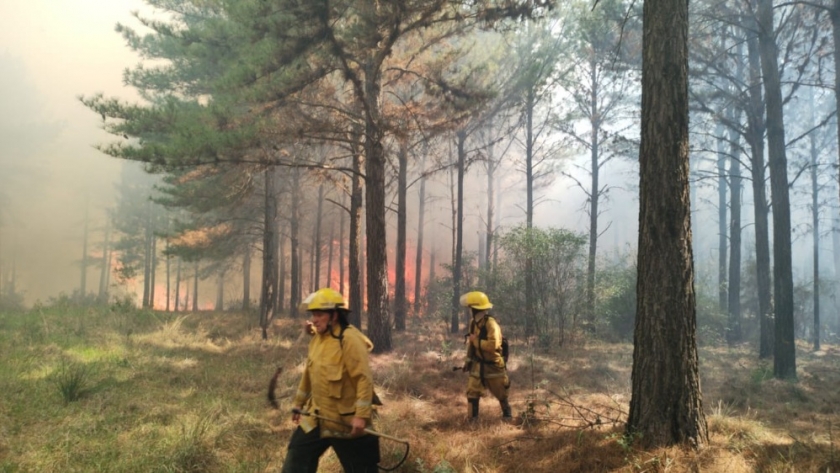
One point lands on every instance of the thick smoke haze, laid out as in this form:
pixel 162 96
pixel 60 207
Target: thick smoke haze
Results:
pixel 52 51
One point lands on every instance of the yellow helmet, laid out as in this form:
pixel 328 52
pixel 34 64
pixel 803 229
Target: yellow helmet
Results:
pixel 477 300
pixel 324 299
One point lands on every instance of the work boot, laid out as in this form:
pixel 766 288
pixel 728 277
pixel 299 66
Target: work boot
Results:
pixel 506 414
pixel 473 414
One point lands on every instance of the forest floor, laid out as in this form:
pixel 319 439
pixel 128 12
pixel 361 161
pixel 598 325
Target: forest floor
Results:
pixel 121 390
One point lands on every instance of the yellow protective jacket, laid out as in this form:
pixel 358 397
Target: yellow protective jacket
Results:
pixel 486 351
pixel 337 381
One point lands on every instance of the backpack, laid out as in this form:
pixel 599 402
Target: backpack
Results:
pixel 482 335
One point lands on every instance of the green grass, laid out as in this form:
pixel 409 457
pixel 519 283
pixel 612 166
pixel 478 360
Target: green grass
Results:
pixel 123 390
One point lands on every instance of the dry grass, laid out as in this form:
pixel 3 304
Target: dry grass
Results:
pixel 188 394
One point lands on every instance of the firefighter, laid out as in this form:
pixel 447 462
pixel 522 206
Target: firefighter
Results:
pixel 336 384
pixel 484 359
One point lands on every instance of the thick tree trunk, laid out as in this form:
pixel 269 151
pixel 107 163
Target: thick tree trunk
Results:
pixel 354 250
pixel 268 293
pixel 400 305
pixel 379 319
pixel 755 136
pixel 666 405
pixel 784 353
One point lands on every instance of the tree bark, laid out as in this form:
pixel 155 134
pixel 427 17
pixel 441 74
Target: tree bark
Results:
pixel 723 237
pixel 268 293
pixel 294 250
pixel 755 137
pixel 319 217
pixel 246 278
pixel 400 305
pixel 815 222
pixel 784 353
pixel 666 405
pixel 734 292
pixel 355 245
pixel 418 260
pixel 379 319
pixel 459 234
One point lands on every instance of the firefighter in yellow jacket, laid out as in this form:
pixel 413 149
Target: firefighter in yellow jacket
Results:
pixel 484 355
pixel 336 384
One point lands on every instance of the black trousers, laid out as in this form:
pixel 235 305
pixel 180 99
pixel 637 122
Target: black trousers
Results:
pixel 357 455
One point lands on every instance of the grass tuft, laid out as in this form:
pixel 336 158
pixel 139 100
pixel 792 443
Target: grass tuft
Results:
pixel 72 380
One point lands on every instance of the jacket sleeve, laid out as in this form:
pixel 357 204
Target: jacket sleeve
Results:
pixel 494 337
pixel 357 365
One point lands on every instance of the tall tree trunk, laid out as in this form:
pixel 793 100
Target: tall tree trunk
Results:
pixel 815 222
pixel 168 277
pixel 246 277
pixel 834 14
pixel 281 273
pixel 153 276
pixel 195 289
pixel 354 249
pixel 734 293
pixel 835 242
pixel 459 234
pixel 488 229
pixel 400 305
pixel 784 353
pixel 755 137
pixel 595 189
pixel 723 237
pixel 341 262
pixel 330 254
pixel 147 257
pixel 220 291
pixel 294 250
pixel 379 319
pixel 268 294
pixel 316 283
pixel 666 405
pixel 178 286
pixel 418 260
pixel 530 310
